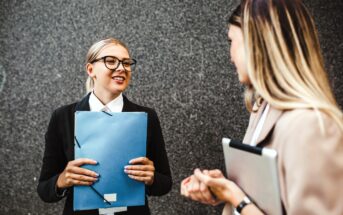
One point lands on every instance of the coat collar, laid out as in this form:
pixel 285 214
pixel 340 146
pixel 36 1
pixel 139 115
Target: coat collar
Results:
pixel 272 117
pixel 83 105
pixel 128 105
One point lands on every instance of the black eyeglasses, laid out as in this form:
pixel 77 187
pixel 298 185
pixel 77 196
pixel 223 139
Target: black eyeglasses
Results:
pixel 112 63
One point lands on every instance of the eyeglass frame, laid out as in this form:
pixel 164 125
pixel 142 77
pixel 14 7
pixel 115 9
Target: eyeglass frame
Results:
pixel 120 62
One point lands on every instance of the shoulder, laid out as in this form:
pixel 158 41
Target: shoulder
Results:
pixel 307 120
pixel 65 109
pixel 305 151
pixel 68 109
pixel 308 130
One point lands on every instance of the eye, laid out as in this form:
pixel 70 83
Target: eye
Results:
pixel 111 61
pixel 230 41
pixel 128 62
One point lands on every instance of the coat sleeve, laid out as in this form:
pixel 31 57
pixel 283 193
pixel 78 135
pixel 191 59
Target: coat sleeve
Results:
pixel 312 165
pixel 53 163
pixel 157 153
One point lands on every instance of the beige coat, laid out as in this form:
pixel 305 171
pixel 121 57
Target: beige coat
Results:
pixel 310 162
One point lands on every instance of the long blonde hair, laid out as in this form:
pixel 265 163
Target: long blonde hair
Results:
pixel 94 52
pixel 284 60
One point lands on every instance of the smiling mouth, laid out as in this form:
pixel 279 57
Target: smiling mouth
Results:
pixel 118 78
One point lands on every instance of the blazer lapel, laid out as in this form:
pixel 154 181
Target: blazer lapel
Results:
pixel 128 106
pixel 83 105
pixel 272 117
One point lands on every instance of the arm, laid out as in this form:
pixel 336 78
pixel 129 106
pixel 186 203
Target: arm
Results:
pixel 54 162
pixel 313 166
pixel 157 153
pixel 56 174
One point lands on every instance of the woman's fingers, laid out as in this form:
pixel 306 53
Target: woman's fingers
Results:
pixel 206 194
pixel 82 161
pixel 140 178
pixel 141 160
pixel 139 173
pixel 183 188
pixel 141 169
pixel 81 171
pixel 223 188
pixel 197 191
pixel 204 178
pixel 78 177
pixel 78 182
pixel 73 174
pixel 194 190
pixel 216 173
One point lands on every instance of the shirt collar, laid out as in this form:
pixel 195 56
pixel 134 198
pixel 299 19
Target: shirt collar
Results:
pixel 116 105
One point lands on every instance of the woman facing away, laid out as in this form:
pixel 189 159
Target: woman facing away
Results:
pixel 275 49
pixel 109 67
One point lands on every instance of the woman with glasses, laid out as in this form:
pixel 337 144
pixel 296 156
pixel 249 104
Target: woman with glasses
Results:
pixel 275 49
pixel 109 67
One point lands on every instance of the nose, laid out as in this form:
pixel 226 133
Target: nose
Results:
pixel 120 67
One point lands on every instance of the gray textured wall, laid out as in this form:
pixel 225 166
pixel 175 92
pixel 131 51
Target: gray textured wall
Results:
pixel 183 72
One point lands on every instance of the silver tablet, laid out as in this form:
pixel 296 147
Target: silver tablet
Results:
pixel 255 170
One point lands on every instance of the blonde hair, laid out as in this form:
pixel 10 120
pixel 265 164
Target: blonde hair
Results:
pixel 284 60
pixel 94 52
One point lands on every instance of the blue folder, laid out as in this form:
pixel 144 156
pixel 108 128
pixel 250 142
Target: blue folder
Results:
pixel 112 139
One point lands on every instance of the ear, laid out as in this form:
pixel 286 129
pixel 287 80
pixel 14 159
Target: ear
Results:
pixel 90 70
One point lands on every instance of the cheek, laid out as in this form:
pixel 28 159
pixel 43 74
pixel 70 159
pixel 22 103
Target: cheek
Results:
pixel 129 77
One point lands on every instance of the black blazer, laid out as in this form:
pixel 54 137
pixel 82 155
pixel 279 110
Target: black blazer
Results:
pixel 59 150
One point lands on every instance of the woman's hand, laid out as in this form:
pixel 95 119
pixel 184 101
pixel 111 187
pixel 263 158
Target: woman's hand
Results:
pixel 192 188
pixel 221 187
pixel 141 169
pixel 73 174
pixel 225 189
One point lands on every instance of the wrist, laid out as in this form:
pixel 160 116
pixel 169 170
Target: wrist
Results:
pixel 237 195
pixel 60 192
pixel 243 204
pixel 59 183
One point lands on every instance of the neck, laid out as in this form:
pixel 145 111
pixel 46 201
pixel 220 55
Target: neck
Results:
pixel 105 98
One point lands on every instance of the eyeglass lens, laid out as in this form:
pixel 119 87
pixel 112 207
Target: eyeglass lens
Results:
pixel 113 63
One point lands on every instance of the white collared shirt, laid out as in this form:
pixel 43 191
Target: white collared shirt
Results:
pixel 116 105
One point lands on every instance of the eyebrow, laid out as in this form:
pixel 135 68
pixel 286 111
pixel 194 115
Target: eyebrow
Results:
pixel 125 58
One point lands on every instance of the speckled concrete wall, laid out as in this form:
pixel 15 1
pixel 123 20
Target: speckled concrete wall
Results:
pixel 183 72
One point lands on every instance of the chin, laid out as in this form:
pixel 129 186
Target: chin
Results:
pixel 243 79
pixel 118 90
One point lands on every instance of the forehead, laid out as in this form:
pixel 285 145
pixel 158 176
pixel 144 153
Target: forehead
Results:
pixel 114 50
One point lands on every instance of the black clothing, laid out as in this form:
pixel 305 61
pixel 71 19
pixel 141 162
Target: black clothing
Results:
pixel 59 150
